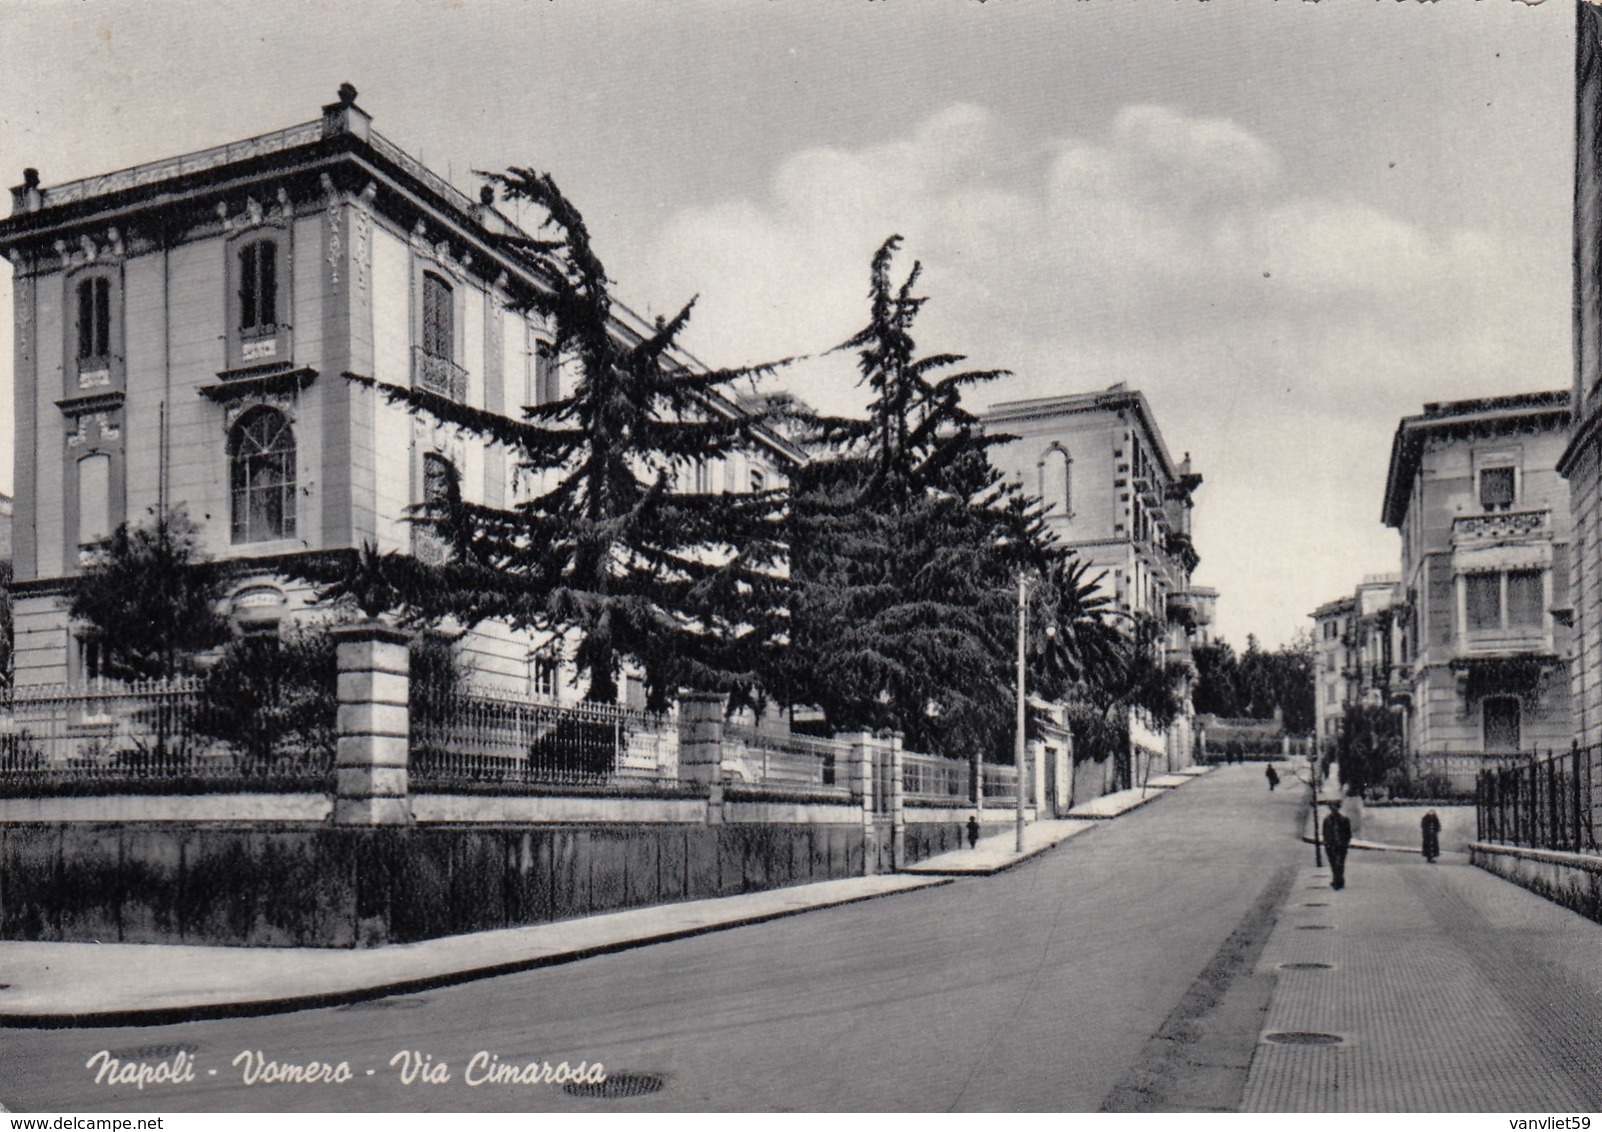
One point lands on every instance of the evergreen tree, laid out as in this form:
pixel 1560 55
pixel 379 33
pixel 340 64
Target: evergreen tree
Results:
pixel 271 697
pixel 1370 746
pixel 905 544
pixel 686 585
pixel 1216 671
pixel 7 627
pixel 148 601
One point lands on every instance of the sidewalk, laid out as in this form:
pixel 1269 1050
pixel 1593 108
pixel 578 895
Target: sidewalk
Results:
pixel 55 985
pixel 999 851
pixel 1426 988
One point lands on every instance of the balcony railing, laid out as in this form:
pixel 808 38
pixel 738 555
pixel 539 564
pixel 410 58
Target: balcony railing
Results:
pixel 1500 527
pixel 437 375
pixel 184 164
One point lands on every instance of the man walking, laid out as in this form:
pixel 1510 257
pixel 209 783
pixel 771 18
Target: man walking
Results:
pixel 1273 777
pixel 1337 839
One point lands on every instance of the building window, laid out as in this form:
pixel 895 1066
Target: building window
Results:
pixel 439 334
pixel 94 321
pixel 1514 600
pixel 1501 715
pixel 1484 604
pixel 94 498
pixel 258 298
pixel 441 488
pixel 1525 604
pixel 434 367
pixel 1056 480
pixel 1496 488
pixel 544 673
pixel 547 377
pixel 261 459
pixel 93 318
pixel 258 288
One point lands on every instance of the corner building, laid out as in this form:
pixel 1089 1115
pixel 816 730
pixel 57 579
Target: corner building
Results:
pixel 181 332
pixel 1485 642
pixel 1115 497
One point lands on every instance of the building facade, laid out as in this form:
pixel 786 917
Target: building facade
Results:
pixel 1356 650
pixel 1485 646
pixel 1332 661
pixel 1581 464
pixel 181 334
pixel 1114 496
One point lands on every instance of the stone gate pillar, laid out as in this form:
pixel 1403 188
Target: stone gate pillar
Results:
pixel 701 736
pixel 898 804
pixel 374 725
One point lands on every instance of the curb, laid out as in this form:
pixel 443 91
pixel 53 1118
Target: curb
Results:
pixel 1026 855
pixel 168 1015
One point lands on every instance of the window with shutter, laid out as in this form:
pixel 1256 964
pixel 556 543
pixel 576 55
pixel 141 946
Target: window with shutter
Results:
pixel 438 321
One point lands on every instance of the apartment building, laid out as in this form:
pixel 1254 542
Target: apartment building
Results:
pixel 1115 497
pixel 1485 641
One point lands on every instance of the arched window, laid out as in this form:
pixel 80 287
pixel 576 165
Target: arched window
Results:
pixel 1056 481
pixel 441 487
pixel 258 287
pixel 261 470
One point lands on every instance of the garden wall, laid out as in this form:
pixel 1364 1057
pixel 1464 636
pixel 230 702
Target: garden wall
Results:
pixel 1573 880
pixel 299 885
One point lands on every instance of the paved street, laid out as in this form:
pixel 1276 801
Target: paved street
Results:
pixel 1134 967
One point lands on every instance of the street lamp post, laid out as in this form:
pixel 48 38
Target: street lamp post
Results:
pixel 1023 711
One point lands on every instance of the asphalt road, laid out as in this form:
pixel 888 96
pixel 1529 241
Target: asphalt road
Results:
pixel 1044 988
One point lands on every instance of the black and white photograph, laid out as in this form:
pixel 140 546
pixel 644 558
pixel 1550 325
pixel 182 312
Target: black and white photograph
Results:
pixel 593 557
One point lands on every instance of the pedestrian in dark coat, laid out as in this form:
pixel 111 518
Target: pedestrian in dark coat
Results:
pixel 1431 826
pixel 973 832
pixel 1337 840
pixel 1273 777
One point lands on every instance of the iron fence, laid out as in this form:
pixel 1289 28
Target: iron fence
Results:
pixel 56 736
pixel 796 760
pixel 1453 774
pixel 1542 803
pixel 504 738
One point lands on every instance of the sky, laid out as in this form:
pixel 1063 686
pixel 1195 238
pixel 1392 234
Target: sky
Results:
pixel 1289 224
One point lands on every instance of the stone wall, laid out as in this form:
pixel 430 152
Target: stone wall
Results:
pixel 299 885
pixel 1573 880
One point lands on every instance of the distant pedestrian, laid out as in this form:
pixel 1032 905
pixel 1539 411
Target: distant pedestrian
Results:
pixel 1431 826
pixel 1337 840
pixel 973 832
pixel 1273 777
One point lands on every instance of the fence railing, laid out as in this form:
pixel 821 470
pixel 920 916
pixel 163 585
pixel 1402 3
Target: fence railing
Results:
pixel 1545 803
pixel 932 778
pixel 469 739
pixel 797 760
pixel 1001 782
pixel 1447 774
pixel 52 736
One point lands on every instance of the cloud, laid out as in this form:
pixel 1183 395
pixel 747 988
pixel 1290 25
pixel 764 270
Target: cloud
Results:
pixel 1270 320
